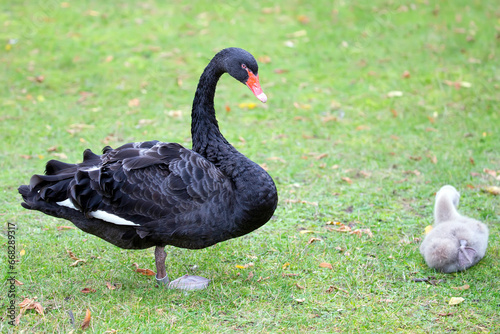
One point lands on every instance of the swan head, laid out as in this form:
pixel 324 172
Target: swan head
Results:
pixel 242 66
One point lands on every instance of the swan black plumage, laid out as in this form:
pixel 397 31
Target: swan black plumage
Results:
pixel 153 193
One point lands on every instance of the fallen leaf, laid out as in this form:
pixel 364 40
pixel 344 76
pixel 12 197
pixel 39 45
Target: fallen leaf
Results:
pixel 263 279
pixel 333 288
pixel 428 228
pixel 346 179
pixel 146 272
pixel 313 240
pixel 86 320
pixel 280 71
pixel 22 252
pixel 433 159
pixel 455 300
pixel 289 275
pixel 359 232
pixel 250 105
pixel 250 264
pixel 326 265
pixel 110 286
pixel 406 74
pixel 394 113
pixel 300 287
pixel 300 300
pixel 307 231
pixel 445 314
pixel 71 255
pixel 134 103
pixel 264 59
pixel 88 290
pixel 471 159
pixel 494 190
pixel 18 283
pixel 303 19
pixel 77 262
pixel 286 265
pixel 30 304
pixel 62 228
pixel 395 93
pixel 321 156
pixel 463 287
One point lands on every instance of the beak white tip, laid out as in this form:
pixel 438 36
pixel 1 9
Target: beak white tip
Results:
pixel 262 97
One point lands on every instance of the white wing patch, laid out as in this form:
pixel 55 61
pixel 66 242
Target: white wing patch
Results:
pixel 67 203
pixel 111 218
pixel 100 214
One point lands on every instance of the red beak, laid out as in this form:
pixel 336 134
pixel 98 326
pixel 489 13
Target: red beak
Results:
pixel 254 85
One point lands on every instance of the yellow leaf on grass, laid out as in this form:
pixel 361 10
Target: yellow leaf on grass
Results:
pixel 286 265
pixel 250 264
pixel 307 231
pixel 428 228
pixel 494 190
pixel 455 300
pixel 22 252
pixel 250 105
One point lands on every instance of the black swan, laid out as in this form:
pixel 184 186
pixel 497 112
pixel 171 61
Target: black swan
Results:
pixel 156 194
pixel 456 242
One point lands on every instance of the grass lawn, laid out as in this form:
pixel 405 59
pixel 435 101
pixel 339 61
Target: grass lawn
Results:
pixel 373 106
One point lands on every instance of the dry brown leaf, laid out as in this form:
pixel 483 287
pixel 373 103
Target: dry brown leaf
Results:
pixel 472 162
pixel 88 290
pixel 359 232
pixel 346 179
pixel 326 265
pixel 61 228
pixel 86 320
pixel 110 286
pixel 17 283
pixel 303 19
pixel 146 272
pixel 263 279
pixel 300 287
pixel 406 74
pixel 264 59
pixel 52 149
pixel 38 307
pixel 321 156
pixel 77 262
pixel 463 287
pixel 134 103
pixel 433 159
pixel 72 255
pixel 313 240
pixel 289 275
pixel 445 314
pixel 333 288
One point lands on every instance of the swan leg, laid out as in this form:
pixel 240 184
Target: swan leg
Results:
pixel 161 272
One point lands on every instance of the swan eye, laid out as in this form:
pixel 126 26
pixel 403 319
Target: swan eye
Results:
pixel 244 66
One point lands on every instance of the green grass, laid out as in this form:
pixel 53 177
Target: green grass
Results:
pixel 328 94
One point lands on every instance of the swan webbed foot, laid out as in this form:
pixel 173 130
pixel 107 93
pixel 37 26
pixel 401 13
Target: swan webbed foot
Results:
pixel 188 282
pixel 465 254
